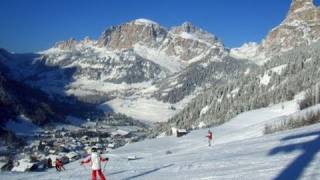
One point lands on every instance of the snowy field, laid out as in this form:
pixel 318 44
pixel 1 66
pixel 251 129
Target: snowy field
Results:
pixel 148 110
pixel 145 108
pixel 240 151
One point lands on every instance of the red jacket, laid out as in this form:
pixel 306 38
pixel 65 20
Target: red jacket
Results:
pixel 59 163
pixel 209 135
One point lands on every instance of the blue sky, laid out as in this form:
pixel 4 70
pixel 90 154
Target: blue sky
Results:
pixel 33 25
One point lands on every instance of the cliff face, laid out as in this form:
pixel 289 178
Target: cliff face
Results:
pixel 184 42
pixel 300 4
pixel 125 36
pixel 300 27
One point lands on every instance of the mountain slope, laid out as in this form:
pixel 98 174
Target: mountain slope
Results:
pixel 18 99
pixel 282 74
pixel 278 80
pixel 286 155
pixel 201 75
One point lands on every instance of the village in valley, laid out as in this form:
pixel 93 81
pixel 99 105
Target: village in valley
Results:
pixel 68 143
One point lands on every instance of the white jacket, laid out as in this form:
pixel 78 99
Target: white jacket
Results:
pixel 95 160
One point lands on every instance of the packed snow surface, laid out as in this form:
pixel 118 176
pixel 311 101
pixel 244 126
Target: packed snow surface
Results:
pixel 240 151
pixel 146 108
pixel 141 106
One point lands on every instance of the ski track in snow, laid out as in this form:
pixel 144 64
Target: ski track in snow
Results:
pixel 240 151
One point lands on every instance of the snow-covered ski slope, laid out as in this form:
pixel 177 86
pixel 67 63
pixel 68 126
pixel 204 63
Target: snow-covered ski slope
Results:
pixel 240 151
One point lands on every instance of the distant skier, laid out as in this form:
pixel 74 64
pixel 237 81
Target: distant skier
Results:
pixel 49 163
pixel 209 136
pixel 95 159
pixel 59 165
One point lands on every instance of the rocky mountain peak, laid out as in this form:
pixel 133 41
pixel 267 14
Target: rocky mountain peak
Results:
pixel 125 36
pixel 87 41
pixel 188 30
pixel 188 27
pixel 300 27
pixel 298 5
pixel 68 44
pixel 303 10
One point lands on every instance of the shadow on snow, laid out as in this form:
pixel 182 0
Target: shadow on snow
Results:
pixel 297 167
pixel 148 172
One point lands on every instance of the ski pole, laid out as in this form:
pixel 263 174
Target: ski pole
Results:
pixel 104 167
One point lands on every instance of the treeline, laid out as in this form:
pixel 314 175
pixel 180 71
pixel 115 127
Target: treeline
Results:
pixel 293 122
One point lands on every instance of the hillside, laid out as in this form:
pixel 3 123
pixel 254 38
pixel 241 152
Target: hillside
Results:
pixel 240 151
pixel 288 67
pixel 278 80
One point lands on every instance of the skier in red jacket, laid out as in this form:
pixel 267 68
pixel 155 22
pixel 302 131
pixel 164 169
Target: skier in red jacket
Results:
pixel 209 136
pixel 59 165
pixel 95 159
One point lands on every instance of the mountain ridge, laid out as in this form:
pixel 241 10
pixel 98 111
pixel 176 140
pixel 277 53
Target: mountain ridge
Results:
pixel 300 27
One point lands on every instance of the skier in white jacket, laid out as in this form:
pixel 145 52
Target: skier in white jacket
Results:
pixel 95 159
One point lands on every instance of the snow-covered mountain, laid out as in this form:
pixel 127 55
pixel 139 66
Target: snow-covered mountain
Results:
pixel 288 58
pixel 277 80
pixel 246 51
pixel 300 27
pixel 142 64
pixel 185 43
pixel 128 61
pixel 135 52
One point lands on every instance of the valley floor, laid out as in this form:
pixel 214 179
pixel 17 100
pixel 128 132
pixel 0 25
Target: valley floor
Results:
pixel 240 151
